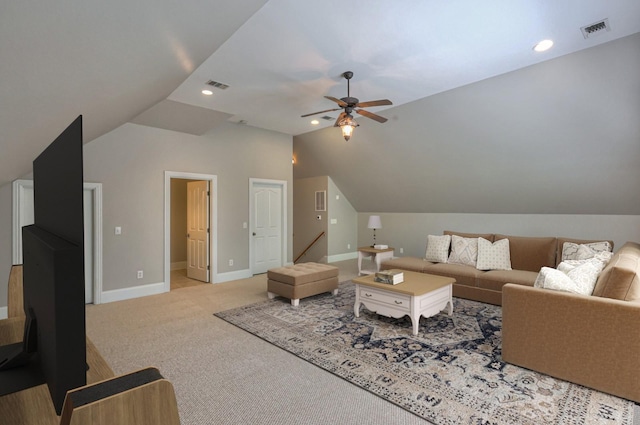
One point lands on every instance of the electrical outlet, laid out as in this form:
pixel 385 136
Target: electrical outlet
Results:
pixel 140 274
pixel 348 246
pixel 231 262
pixel 118 230
pixel 401 250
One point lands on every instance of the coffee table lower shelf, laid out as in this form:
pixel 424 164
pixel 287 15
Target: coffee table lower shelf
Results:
pixel 419 295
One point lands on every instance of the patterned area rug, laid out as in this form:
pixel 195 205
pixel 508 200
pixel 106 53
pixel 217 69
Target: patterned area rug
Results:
pixel 450 373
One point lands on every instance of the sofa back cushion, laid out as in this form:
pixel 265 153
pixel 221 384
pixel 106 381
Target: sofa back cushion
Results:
pixel 561 242
pixel 620 279
pixel 487 236
pixel 531 253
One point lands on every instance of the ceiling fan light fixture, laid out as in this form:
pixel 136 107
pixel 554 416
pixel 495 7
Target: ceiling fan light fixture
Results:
pixel 347 124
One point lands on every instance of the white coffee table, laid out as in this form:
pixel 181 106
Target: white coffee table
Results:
pixel 420 294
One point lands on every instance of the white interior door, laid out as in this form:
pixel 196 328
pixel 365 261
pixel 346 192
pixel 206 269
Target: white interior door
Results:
pixel 198 230
pixel 266 227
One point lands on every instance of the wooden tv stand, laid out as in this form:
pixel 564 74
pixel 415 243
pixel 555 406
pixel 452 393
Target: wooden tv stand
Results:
pixel 154 400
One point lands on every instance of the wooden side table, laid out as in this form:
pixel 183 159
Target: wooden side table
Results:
pixel 377 256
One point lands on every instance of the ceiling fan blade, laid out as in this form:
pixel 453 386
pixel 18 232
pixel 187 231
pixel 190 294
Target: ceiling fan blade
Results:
pixel 380 102
pixel 342 115
pixel 338 101
pixel 320 112
pixel 371 115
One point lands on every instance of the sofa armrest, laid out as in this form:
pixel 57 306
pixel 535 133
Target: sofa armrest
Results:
pixel 588 340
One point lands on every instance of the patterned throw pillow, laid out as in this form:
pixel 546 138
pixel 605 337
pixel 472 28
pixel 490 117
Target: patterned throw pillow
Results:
pixel 573 251
pixel 577 276
pixel 493 256
pixel 464 250
pixel 437 248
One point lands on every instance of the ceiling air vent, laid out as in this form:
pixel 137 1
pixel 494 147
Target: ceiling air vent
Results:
pixel 595 28
pixel 328 118
pixel 217 85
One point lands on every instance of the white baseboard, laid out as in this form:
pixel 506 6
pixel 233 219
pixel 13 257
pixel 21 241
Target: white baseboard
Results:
pixel 4 312
pixel 342 257
pixel 133 292
pixel 180 265
pixel 226 277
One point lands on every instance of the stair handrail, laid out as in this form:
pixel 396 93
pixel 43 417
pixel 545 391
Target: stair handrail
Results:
pixel 308 247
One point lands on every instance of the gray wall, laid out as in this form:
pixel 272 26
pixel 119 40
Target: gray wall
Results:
pixel 130 163
pixel 409 230
pixel 306 226
pixel 343 234
pixel 340 237
pixel 5 241
pixel 560 137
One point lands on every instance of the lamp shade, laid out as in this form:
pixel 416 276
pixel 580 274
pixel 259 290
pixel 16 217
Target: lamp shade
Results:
pixel 374 222
pixel 347 124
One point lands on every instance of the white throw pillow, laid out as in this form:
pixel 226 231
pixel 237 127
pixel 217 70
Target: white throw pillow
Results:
pixel 464 250
pixel 437 248
pixel 549 278
pixel 574 251
pixel 577 276
pixel 493 256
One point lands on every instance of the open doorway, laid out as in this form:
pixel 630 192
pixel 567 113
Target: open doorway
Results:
pixel 190 233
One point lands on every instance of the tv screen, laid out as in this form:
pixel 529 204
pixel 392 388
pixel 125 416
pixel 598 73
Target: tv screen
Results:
pixel 54 347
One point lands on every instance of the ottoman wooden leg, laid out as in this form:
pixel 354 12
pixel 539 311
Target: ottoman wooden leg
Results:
pixel 295 302
pixel 271 295
pixel 334 292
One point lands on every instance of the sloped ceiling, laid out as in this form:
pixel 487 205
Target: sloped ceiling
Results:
pixel 559 137
pixel 107 60
pixel 113 60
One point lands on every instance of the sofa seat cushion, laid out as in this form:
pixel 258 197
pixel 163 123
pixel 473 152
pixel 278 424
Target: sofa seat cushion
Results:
pixel 413 264
pixel 464 275
pixel 620 279
pixel 531 253
pixel 495 279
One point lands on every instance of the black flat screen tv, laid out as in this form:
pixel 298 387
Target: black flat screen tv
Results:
pixel 53 350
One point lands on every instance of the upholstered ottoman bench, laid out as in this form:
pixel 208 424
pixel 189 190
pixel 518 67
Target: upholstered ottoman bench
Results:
pixel 302 280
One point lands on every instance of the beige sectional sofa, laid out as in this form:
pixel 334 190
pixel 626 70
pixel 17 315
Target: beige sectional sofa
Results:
pixel 592 340
pixel 528 256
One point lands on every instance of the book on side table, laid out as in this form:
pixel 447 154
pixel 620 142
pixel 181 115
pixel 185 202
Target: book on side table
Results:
pixel 392 277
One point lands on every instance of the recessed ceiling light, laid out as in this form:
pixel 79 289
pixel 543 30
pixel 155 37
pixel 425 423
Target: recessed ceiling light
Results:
pixel 207 92
pixel 543 45
pixel 315 122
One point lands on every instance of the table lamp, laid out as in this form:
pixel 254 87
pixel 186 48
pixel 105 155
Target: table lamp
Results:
pixel 374 223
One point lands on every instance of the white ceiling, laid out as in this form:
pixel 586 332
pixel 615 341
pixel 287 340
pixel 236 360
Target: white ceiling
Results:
pixel 291 53
pixel 113 60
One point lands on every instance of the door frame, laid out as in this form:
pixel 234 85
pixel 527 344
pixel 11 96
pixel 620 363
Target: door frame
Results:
pixel 213 222
pixel 285 221
pixel 19 187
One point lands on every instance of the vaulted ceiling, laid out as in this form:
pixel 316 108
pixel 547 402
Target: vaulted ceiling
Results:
pixel 148 61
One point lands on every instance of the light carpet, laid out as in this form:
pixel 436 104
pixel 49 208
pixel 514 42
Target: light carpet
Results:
pixel 451 373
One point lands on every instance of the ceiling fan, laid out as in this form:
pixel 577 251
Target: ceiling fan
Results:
pixel 345 120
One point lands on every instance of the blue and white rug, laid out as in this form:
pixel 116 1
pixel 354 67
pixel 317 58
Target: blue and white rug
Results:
pixel 450 373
